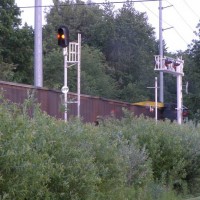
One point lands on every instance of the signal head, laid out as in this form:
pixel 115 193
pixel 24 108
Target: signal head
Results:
pixel 63 36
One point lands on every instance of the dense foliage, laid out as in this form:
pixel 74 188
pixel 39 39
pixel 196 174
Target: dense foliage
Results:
pixel 118 48
pixel 45 158
pixel 192 73
pixel 16 45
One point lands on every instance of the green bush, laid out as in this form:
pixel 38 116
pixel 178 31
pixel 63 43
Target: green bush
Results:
pixel 44 158
pixel 133 158
pixel 190 140
pixel 162 147
pixel 174 150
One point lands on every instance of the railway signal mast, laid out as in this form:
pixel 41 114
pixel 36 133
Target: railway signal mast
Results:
pixel 169 65
pixel 174 67
pixel 72 56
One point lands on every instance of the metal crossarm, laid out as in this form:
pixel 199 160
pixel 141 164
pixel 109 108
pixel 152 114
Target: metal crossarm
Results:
pixel 169 65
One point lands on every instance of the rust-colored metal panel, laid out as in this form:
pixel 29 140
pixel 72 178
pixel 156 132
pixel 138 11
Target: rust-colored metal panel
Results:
pixel 54 104
pixel 91 107
pixel 48 99
pixel 94 107
pixel 13 93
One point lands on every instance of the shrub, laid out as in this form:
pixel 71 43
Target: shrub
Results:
pixel 42 158
pixel 163 148
pixel 174 150
pixel 45 158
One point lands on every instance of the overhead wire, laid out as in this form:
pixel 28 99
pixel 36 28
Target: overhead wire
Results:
pixel 132 1
pixel 92 3
pixel 184 20
pixel 180 36
pixel 156 15
pixel 149 10
pixel 191 9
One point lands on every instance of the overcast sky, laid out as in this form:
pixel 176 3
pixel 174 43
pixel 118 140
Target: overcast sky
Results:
pixel 182 15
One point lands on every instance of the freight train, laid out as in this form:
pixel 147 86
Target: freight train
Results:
pixel 92 107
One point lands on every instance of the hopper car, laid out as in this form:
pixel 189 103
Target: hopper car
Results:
pixel 92 107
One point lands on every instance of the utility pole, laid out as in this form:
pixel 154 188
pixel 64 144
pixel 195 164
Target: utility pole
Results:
pixel 38 69
pixel 161 97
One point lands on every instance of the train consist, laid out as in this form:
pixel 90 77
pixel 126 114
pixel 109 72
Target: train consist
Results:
pixel 51 102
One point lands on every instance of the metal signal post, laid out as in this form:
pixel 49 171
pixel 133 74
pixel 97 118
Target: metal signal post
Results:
pixel 65 88
pixel 72 57
pixel 174 67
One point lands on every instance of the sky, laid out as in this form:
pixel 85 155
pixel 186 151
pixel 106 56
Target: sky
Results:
pixel 180 18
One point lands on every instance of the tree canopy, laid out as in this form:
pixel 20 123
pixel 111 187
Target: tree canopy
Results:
pixel 192 75
pixel 16 44
pixel 123 36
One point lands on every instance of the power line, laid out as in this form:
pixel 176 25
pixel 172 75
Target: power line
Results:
pixel 115 2
pixel 181 17
pixel 93 3
pixel 191 9
pixel 150 10
pixel 180 36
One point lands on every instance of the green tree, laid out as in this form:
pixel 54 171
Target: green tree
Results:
pixel 131 51
pixel 124 37
pixel 87 19
pixel 6 71
pixel 16 44
pixel 22 54
pixel 192 75
pixel 9 19
pixel 95 74
pixel 94 77
pixel 53 69
pixel 78 16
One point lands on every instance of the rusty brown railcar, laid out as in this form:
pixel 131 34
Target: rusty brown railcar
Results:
pixel 91 107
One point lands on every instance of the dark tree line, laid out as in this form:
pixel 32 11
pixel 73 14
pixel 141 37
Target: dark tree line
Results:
pixel 16 44
pixel 192 75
